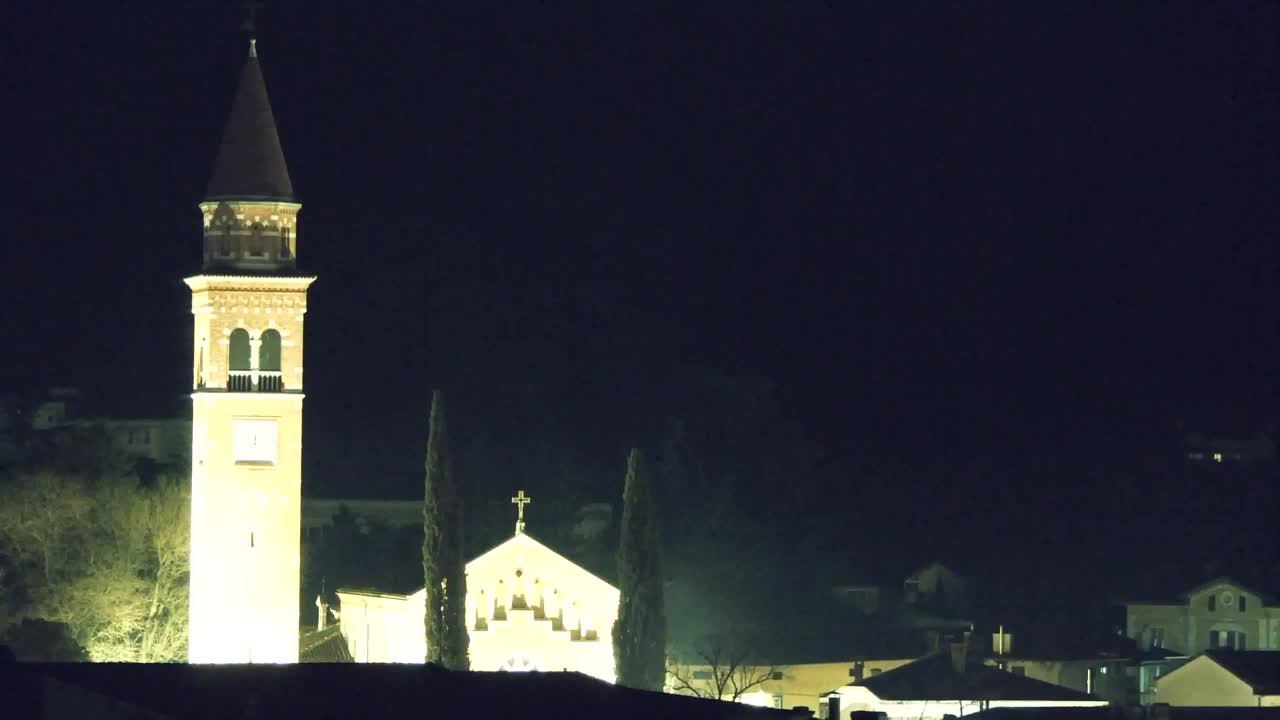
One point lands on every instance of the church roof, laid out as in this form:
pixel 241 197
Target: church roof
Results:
pixel 324 646
pixel 250 164
pixel 525 538
pixel 522 538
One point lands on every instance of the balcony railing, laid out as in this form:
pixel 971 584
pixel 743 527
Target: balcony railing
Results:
pixel 255 381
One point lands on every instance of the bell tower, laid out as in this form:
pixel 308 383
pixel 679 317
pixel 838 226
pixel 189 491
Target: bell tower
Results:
pixel 246 452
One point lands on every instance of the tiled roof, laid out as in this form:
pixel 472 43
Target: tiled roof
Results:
pixel 1260 669
pixel 935 678
pixel 250 163
pixel 324 646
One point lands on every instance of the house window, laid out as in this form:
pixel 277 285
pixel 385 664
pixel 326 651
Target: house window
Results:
pixel 1229 639
pixel 701 674
pixel 1213 603
pixel 775 675
pixel 1155 637
pixel 777 701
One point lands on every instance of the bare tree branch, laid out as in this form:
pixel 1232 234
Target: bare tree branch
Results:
pixel 718 668
pixel 107 558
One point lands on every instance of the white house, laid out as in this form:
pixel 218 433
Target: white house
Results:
pixel 1224 678
pixel 948 684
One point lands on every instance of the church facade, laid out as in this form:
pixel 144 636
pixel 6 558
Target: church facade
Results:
pixel 248 302
pixel 528 609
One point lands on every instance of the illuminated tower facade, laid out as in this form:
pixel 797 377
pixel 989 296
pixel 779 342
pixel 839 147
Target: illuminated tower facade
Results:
pixel 246 451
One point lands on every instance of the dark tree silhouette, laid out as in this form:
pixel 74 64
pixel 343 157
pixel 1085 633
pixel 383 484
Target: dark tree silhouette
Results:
pixel 442 564
pixel 640 633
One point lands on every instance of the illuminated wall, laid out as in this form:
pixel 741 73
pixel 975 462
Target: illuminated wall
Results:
pixel 1203 682
pixel 789 686
pixel 1205 615
pixel 246 471
pixel 528 608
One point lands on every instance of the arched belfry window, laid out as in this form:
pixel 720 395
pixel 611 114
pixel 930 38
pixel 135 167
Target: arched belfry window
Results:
pixel 257 247
pixel 269 377
pixel 224 239
pixel 239 359
pixel 269 352
pixel 284 242
pixel 238 379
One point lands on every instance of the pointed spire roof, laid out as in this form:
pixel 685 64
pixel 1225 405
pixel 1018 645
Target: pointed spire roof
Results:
pixel 250 163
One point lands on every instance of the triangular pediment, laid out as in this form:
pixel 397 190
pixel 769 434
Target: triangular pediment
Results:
pixel 523 549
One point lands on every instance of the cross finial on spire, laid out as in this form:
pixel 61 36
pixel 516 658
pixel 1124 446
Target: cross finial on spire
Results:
pixel 250 24
pixel 520 500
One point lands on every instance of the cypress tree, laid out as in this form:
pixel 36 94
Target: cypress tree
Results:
pixel 640 633
pixel 442 564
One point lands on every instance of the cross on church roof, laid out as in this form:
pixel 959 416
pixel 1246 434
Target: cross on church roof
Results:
pixel 520 500
pixel 250 21
pixel 250 24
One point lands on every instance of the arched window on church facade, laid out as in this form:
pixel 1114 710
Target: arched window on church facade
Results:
pixel 239 377
pixel 270 379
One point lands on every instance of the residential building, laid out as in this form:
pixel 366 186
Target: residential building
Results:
pixel 1104 678
pixel 773 685
pixel 932 597
pixel 947 684
pixel 938 588
pixel 1224 678
pixel 161 440
pixel 1222 613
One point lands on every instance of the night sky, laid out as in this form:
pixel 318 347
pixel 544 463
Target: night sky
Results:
pixel 949 233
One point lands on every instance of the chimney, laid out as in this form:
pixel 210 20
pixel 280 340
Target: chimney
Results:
pixel 933 641
pixel 1002 642
pixel 323 615
pixel 958 657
